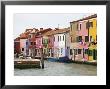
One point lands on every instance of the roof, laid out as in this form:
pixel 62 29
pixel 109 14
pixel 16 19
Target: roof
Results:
pixel 33 30
pixel 17 39
pixel 57 31
pixel 42 32
pixel 86 18
pixel 24 35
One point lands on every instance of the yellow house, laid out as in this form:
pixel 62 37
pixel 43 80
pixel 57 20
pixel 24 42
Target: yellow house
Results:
pixel 93 38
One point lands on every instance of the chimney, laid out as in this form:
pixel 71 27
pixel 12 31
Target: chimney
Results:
pixel 56 28
pixel 41 29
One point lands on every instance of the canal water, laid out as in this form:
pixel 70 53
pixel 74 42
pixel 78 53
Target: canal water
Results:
pixel 59 69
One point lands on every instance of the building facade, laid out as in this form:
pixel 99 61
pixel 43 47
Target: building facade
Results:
pixel 93 38
pixel 60 47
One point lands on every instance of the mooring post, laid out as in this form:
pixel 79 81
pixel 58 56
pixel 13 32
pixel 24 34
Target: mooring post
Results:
pixel 42 58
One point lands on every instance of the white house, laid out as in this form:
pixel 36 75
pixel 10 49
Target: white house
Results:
pixel 60 43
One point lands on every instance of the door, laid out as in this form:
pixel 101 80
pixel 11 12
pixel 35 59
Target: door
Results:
pixel 94 54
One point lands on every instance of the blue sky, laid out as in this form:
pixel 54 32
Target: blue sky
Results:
pixel 23 21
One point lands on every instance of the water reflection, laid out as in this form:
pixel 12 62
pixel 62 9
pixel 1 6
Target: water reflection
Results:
pixel 59 69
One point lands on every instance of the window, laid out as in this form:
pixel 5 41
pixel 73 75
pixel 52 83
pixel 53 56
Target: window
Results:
pixel 86 38
pixel 49 40
pixel 29 36
pixel 80 26
pixel 79 51
pixel 87 25
pixel 45 41
pixel 90 52
pixel 90 38
pixel 31 43
pixel 22 49
pixel 86 51
pixel 80 38
pixel 26 43
pixel 63 37
pixel 42 40
pixel 61 50
pixel 71 52
pixel 58 38
pixel 71 27
pixel 77 40
pixel 77 26
pixel 71 39
pixel 91 24
pixel 75 51
pixel 96 38
pixel 34 43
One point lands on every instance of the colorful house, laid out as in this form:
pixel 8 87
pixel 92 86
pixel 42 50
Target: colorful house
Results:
pixel 86 37
pixel 50 36
pixel 23 40
pixel 73 42
pixel 32 41
pixel 60 43
pixel 17 45
pixel 82 39
pixel 42 42
pixel 93 37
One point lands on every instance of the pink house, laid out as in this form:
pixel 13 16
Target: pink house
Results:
pixel 82 39
pixel 40 41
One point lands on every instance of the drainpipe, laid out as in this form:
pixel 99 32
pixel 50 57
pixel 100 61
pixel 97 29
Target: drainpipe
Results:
pixel 88 37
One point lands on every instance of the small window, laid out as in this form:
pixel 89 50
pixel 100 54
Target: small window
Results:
pixel 71 27
pixel 75 51
pixel 49 40
pixel 90 38
pixel 61 50
pixel 80 26
pixel 58 38
pixel 87 25
pixel 26 43
pixel 77 26
pixel 86 51
pixel 90 52
pixel 31 43
pixel 91 24
pixel 77 40
pixel 34 43
pixel 86 38
pixel 80 38
pixel 54 38
pixel 71 53
pixel 71 39
pixel 29 36
pixel 79 51
pixel 63 37
pixel 22 49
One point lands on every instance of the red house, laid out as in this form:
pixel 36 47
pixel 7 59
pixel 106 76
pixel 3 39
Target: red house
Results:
pixel 17 45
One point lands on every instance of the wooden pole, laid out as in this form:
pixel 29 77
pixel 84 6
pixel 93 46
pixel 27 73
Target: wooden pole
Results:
pixel 42 58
